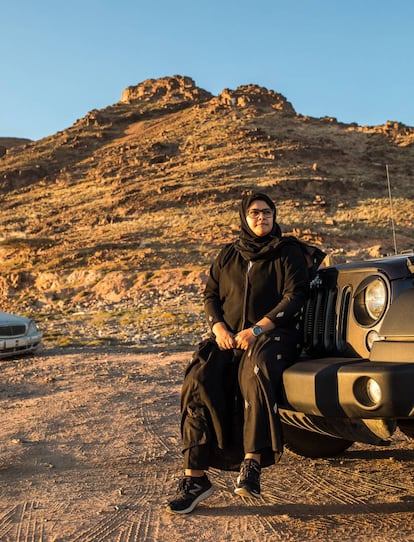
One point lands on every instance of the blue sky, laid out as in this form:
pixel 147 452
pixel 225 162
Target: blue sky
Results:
pixel 350 59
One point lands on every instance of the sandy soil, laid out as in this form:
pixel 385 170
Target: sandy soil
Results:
pixel 90 452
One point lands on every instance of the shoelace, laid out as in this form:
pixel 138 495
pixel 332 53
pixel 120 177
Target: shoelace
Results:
pixel 250 468
pixel 184 485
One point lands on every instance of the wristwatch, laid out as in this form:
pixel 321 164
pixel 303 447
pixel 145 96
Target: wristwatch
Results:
pixel 257 330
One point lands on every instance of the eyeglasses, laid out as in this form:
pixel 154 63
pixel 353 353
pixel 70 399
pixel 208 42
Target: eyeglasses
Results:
pixel 254 213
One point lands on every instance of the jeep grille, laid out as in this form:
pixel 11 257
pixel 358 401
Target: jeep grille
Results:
pixel 325 333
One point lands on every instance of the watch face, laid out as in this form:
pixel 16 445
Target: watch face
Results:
pixel 257 330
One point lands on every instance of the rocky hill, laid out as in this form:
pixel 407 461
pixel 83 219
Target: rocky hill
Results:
pixel 125 209
pixel 8 142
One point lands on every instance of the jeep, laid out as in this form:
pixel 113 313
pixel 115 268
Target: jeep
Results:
pixel 355 382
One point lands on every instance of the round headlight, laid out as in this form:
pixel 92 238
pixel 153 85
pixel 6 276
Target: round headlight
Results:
pixel 375 298
pixel 370 301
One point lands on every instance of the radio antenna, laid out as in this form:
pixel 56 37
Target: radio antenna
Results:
pixel 392 211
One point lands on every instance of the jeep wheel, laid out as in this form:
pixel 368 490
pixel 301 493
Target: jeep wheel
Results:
pixel 310 444
pixel 407 427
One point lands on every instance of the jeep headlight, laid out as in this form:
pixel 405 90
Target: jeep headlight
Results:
pixel 375 298
pixel 370 301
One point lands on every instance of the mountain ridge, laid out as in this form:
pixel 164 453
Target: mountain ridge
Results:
pixel 139 195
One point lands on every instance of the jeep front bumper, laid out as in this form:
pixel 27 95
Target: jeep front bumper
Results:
pixel 350 388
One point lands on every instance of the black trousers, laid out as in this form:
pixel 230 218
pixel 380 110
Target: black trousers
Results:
pixel 251 390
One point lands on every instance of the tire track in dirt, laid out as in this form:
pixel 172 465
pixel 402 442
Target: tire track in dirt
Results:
pixel 151 415
pixel 7 523
pixel 369 483
pixel 319 484
pixel 134 520
pixel 22 523
pixel 152 420
pixel 344 497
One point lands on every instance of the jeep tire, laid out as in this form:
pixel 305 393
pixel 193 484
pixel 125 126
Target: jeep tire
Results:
pixel 310 444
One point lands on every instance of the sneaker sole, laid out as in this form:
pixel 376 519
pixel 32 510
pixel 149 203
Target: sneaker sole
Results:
pixel 244 492
pixel 190 508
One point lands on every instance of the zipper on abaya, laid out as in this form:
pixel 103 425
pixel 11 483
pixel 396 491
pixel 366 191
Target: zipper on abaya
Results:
pixel 246 287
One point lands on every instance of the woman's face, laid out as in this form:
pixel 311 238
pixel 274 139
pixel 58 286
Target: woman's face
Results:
pixel 260 218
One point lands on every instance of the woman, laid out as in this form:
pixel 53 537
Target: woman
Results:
pixel 254 297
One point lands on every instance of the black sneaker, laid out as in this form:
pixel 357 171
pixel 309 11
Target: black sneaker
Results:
pixel 191 491
pixel 248 481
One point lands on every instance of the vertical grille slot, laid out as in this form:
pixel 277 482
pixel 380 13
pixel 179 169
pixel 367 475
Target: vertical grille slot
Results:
pixel 320 321
pixel 341 335
pixel 330 321
pixel 309 318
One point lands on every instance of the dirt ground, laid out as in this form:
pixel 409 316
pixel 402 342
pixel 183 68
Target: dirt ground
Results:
pixel 90 452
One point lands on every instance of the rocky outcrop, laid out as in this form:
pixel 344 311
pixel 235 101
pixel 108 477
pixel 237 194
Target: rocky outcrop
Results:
pixel 397 131
pixel 173 89
pixel 178 89
pixel 254 95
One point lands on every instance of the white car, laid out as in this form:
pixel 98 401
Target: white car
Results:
pixel 18 335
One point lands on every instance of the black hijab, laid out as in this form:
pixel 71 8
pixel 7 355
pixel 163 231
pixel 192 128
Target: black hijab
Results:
pixel 251 246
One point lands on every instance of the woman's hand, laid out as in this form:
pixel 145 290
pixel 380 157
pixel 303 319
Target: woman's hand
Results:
pixel 244 339
pixel 224 337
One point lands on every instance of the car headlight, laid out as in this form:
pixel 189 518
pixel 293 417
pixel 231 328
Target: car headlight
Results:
pixel 32 329
pixel 370 301
pixel 375 298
